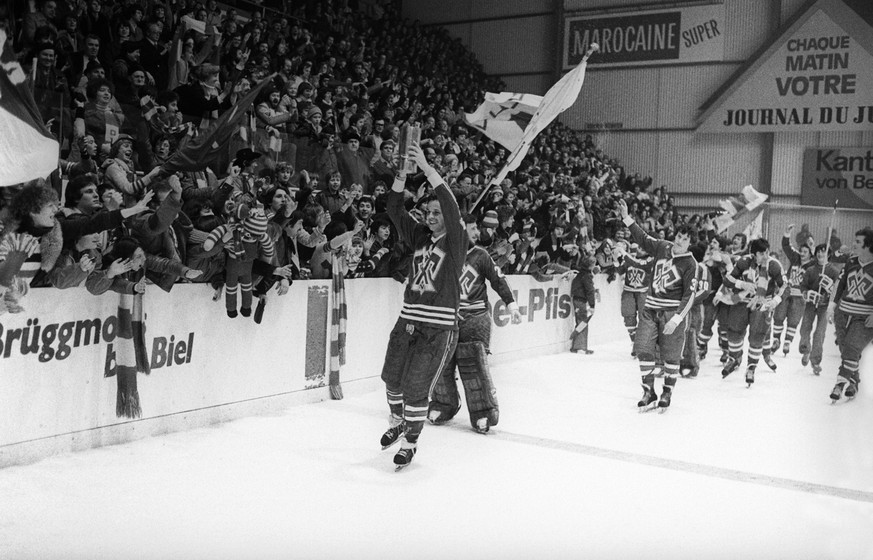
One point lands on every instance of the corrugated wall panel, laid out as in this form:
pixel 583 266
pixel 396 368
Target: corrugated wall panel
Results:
pixel 464 32
pixel 524 44
pixel 501 8
pixel 788 161
pixel 586 5
pixel 749 24
pixel 683 89
pixel 429 12
pixel 637 153
pixel 708 163
pixel 537 84
pixel 616 96
pixel 828 139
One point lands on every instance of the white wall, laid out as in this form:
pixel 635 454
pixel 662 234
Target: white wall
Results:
pixel 233 368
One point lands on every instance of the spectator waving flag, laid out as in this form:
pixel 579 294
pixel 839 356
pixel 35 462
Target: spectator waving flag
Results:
pixel 27 149
pixel 739 208
pixel 195 154
pixel 512 124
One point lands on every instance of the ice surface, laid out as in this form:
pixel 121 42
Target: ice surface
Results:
pixel 571 471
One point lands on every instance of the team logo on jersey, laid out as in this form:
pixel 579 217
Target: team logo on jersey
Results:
pixel 665 276
pixel 468 280
pixel 635 277
pixel 425 267
pixel 859 286
pixel 796 276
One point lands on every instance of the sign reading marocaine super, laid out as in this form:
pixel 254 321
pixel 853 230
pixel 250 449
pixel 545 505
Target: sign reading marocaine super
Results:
pixel 674 36
pixel 816 76
pixel 831 174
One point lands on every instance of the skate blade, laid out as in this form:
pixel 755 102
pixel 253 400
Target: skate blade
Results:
pixel 648 407
pixel 663 409
pixel 398 468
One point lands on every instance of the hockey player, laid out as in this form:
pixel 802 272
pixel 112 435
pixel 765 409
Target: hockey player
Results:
pixel 792 306
pixel 755 285
pixel 664 318
pixel 474 338
pixel 817 285
pixel 424 337
pixel 852 311
pixel 689 366
pixel 719 263
pixel 636 266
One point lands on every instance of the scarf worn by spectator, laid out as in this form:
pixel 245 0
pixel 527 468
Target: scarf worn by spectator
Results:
pixel 129 356
pixel 337 327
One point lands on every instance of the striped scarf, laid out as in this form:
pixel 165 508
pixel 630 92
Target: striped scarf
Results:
pixel 337 327
pixel 130 356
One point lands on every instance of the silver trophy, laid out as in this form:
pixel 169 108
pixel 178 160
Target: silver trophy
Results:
pixel 409 135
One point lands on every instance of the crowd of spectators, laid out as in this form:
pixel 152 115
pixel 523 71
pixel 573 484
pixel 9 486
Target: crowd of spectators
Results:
pixel 124 85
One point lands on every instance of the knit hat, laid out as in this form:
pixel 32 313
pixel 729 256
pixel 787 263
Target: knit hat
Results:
pixel 256 224
pixel 313 111
pixel 490 220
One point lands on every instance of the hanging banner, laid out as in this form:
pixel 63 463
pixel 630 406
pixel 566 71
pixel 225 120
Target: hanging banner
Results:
pixel 817 75
pixel 844 174
pixel 674 36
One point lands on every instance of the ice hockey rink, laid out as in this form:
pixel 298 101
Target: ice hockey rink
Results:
pixel 573 470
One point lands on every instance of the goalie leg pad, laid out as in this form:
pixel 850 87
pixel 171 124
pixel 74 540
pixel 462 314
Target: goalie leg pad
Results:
pixel 445 401
pixel 478 386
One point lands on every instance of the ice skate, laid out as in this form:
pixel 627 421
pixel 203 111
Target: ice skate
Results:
pixel 724 356
pixel 664 403
pixel 775 346
pixel 649 398
pixel 701 351
pixel 851 390
pixel 482 425
pixel 393 433
pixel 816 369
pixel 785 348
pixel 750 376
pixel 404 456
pixel 837 393
pixel 434 417
pixel 730 366
pixel 804 360
pixel 768 359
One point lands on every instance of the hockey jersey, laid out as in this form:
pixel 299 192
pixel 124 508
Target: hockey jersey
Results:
pixel 637 273
pixel 854 293
pixel 672 285
pixel 478 268
pixel 821 280
pixel 768 280
pixel 703 283
pixel 796 267
pixel 433 291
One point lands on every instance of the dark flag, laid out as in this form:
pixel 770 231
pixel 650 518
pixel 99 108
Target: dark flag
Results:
pixel 194 155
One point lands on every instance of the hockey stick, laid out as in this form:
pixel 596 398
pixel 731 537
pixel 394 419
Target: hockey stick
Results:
pixel 831 226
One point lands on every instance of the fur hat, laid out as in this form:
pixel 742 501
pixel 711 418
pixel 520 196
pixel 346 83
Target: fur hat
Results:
pixel 490 220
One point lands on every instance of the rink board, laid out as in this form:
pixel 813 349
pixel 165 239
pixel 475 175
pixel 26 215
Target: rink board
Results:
pixel 207 368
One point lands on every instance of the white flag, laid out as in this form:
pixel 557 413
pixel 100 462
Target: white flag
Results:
pixel 504 116
pixel 558 99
